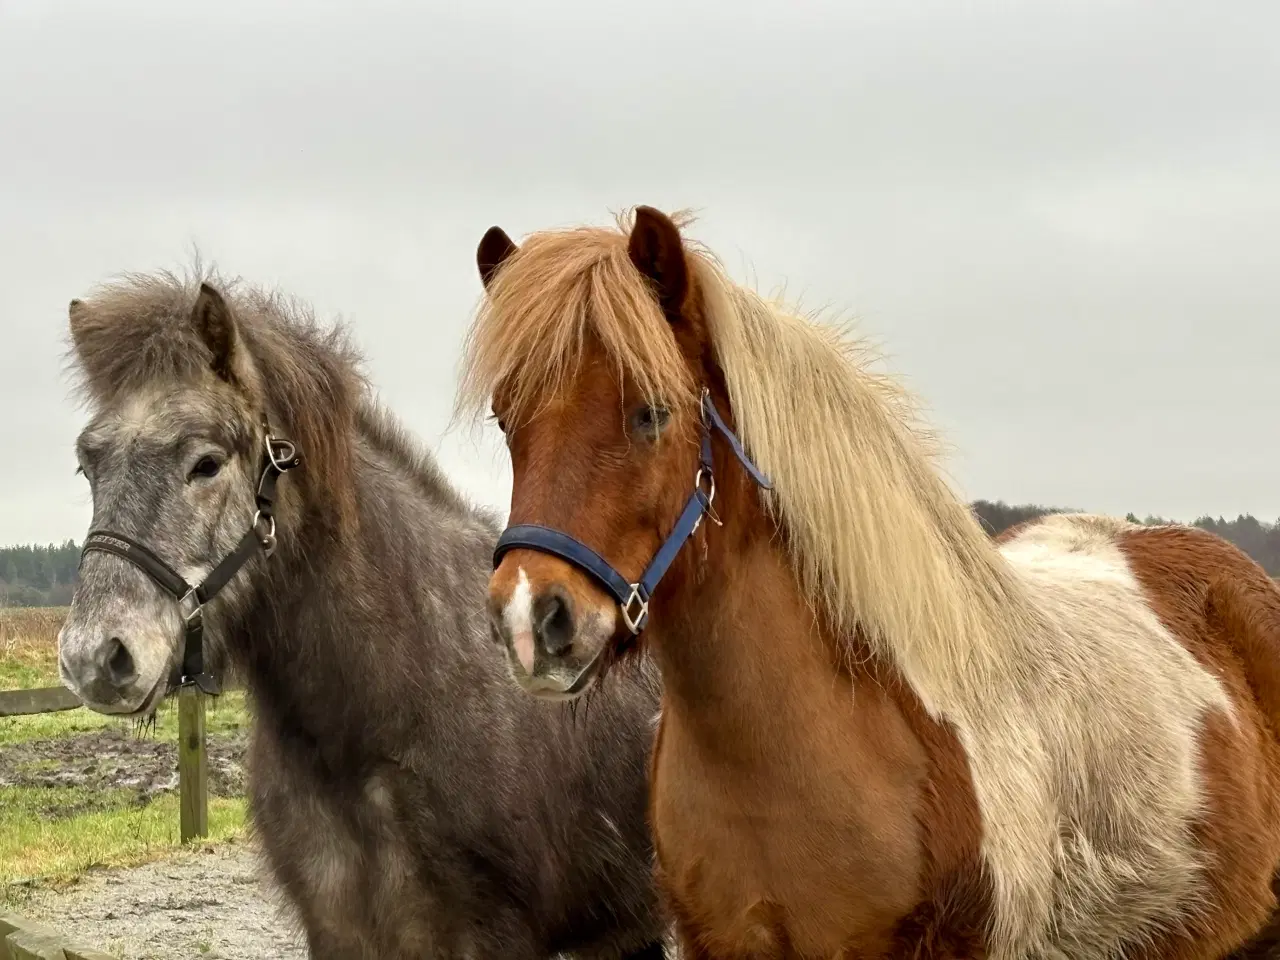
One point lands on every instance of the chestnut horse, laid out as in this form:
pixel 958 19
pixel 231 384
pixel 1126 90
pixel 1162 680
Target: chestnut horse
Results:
pixel 882 733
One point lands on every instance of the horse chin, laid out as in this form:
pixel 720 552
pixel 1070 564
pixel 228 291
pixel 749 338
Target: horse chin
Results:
pixel 151 704
pixel 145 710
pixel 557 683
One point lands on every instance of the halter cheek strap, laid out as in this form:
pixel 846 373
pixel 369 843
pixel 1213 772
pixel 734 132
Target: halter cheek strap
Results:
pixel 280 456
pixel 633 598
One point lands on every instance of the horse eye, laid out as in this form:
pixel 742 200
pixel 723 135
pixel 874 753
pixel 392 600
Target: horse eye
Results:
pixel 206 467
pixel 650 419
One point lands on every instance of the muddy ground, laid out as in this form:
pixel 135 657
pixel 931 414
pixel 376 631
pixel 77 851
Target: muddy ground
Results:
pixel 116 758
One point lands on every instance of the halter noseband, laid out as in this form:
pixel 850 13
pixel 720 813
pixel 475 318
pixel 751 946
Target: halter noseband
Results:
pixel 633 598
pixel 279 457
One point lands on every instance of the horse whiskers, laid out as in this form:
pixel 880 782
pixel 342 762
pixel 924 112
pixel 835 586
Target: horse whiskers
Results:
pixel 144 724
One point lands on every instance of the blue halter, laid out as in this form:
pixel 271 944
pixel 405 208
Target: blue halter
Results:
pixel 633 598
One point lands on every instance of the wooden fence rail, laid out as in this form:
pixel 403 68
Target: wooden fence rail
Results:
pixel 193 763
pixel 21 703
pixel 23 940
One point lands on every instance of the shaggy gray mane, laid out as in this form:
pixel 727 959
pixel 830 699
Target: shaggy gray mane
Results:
pixel 134 333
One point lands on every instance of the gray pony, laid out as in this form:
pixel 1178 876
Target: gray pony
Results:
pixel 410 799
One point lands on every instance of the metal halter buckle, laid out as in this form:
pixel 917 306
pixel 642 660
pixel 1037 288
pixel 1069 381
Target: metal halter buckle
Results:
pixel 197 609
pixel 194 623
pixel 280 462
pixel 636 622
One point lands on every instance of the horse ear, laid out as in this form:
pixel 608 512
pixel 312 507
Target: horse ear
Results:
pixel 658 252
pixel 77 315
pixel 214 321
pixel 495 247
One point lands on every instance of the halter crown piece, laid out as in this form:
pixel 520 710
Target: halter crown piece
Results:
pixel 633 598
pixel 279 457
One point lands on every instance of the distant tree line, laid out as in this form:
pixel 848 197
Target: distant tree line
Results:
pixel 1258 539
pixel 45 576
pixel 38 576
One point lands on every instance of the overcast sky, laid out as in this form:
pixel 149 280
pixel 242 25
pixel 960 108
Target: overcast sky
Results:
pixel 1061 219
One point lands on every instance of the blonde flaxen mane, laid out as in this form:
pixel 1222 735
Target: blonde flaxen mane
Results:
pixel 528 336
pixel 1043 655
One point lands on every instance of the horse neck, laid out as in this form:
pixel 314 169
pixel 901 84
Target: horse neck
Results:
pixel 327 609
pixel 740 647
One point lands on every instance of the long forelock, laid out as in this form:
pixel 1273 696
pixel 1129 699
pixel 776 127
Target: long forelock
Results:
pixel 560 292
pixel 134 335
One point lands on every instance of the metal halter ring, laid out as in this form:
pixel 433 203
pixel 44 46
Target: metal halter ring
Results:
pixel 708 499
pixel 267 539
pixel 635 623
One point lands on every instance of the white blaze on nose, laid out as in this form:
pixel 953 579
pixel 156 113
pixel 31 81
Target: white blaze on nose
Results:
pixel 518 616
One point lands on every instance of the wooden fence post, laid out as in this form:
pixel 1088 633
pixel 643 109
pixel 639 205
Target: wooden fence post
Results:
pixel 193 764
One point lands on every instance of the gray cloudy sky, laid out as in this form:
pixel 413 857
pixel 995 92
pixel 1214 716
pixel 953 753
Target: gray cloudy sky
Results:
pixel 1060 218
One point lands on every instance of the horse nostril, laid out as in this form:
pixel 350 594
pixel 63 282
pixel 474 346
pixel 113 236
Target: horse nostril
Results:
pixel 119 662
pixel 553 621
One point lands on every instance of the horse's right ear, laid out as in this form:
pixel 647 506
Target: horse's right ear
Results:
pixel 495 247
pixel 77 315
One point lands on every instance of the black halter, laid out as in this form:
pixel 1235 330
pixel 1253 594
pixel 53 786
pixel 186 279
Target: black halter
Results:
pixel 279 457
pixel 633 598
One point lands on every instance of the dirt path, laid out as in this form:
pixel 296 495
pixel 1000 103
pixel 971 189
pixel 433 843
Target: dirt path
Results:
pixel 211 904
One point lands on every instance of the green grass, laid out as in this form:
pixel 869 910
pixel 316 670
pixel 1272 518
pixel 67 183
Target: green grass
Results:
pixel 224 715
pixel 17 675
pixel 53 835
pixel 44 726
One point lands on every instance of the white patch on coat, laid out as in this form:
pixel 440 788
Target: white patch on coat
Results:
pixel 1085 768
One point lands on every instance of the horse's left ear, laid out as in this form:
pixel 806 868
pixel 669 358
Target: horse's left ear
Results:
pixel 216 325
pixel 658 252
